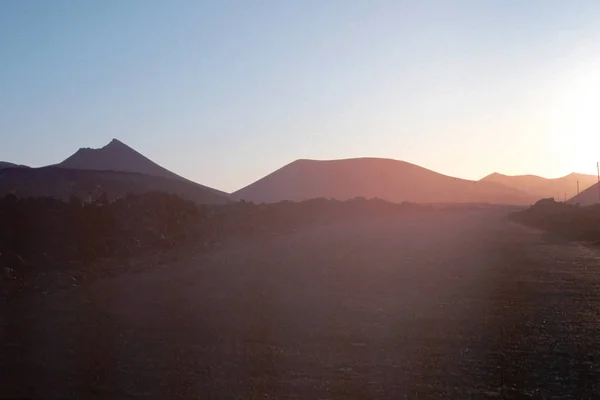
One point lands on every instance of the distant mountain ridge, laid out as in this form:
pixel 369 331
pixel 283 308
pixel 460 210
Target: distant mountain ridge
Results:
pixel 5 164
pixel 303 179
pixel 387 179
pixel 543 187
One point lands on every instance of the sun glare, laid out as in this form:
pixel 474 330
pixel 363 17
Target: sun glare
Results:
pixel 576 120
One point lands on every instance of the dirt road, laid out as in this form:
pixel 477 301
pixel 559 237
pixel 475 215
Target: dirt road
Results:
pixel 443 305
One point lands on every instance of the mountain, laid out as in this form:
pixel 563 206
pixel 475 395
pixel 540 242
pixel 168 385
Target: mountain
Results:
pixel 115 170
pixel 543 187
pixel 117 156
pixel 4 165
pixel 387 179
pixel 92 185
pixel 587 197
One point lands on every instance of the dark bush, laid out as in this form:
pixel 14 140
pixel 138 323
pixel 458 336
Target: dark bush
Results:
pixel 569 221
pixel 49 233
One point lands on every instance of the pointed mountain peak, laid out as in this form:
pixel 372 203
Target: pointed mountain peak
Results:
pixel 116 144
pixel 116 156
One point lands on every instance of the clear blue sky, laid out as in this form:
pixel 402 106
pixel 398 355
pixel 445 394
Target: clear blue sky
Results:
pixel 223 92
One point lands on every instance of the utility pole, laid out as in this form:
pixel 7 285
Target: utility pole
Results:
pixel 565 197
pixel 598 168
pixel 578 187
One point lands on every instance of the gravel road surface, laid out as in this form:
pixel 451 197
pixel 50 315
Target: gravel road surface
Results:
pixel 448 305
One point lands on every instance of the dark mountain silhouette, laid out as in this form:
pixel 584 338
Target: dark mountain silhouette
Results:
pixel 543 187
pixel 387 179
pixel 5 164
pixel 93 185
pixel 117 156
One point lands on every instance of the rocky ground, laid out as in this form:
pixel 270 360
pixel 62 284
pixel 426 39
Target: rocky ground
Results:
pixel 435 305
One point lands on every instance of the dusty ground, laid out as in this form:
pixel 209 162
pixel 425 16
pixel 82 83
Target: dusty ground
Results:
pixel 451 305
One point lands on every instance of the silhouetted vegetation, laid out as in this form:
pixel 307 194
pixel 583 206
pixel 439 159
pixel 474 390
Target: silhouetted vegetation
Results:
pixel 566 220
pixel 38 235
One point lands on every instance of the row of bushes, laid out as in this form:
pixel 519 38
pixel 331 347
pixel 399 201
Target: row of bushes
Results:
pixel 566 220
pixel 46 231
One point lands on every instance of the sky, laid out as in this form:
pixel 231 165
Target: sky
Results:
pixel 225 92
